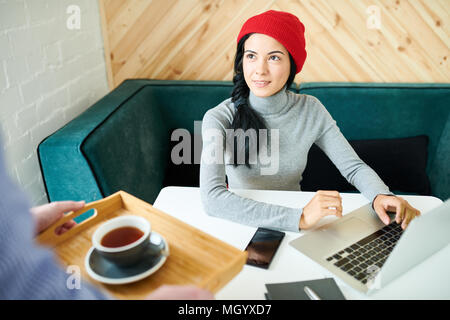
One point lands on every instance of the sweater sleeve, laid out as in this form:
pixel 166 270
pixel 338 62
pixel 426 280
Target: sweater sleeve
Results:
pixel 338 149
pixel 29 271
pixel 218 201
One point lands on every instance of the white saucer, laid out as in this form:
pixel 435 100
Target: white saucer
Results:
pixel 104 271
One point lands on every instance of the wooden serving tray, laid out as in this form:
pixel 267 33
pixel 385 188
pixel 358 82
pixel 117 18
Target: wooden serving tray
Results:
pixel 196 258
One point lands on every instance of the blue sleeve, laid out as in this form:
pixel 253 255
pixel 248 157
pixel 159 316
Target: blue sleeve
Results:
pixel 29 271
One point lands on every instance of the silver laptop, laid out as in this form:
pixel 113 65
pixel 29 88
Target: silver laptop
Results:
pixel 366 254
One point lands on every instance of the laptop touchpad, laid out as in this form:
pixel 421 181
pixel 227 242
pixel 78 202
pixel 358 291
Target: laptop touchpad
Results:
pixel 351 229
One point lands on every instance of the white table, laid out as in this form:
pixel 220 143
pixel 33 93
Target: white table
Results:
pixel 425 281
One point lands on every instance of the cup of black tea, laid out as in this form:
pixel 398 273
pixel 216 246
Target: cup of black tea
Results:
pixel 123 240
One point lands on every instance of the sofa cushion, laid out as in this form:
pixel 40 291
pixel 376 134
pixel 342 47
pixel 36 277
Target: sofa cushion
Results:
pixel 400 163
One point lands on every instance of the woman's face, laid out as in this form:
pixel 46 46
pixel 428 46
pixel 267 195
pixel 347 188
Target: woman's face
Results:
pixel 266 65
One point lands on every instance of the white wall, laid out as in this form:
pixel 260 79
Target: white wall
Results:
pixel 48 75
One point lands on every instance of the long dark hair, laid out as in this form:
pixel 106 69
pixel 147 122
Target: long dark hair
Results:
pixel 245 116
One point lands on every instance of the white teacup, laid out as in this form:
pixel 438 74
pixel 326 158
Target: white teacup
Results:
pixel 128 253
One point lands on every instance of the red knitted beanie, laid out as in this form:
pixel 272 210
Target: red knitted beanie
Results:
pixel 282 26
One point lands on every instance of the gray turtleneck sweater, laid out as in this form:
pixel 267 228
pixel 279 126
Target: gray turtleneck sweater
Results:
pixel 300 120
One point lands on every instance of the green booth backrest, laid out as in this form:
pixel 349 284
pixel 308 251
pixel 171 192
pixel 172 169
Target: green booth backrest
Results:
pixel 66 172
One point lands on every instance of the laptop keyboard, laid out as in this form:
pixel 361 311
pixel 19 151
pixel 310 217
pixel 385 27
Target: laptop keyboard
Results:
pixel 358 259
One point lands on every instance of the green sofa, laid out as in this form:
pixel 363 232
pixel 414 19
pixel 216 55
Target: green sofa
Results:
pixel 123 142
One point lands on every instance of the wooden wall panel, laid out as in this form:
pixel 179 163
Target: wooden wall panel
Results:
pixel 196 39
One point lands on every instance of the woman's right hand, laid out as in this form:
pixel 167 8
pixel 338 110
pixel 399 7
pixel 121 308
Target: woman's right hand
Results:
pixel 323 203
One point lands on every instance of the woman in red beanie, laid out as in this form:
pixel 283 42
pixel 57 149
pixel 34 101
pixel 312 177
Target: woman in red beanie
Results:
pixel 270 52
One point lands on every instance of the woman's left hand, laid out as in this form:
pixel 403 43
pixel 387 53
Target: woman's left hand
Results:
pixel 404 211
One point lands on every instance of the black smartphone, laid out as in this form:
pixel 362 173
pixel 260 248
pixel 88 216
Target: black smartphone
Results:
pixel 263 246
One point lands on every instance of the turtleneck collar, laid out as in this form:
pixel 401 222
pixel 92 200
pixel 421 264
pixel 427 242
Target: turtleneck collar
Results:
pixel 269 105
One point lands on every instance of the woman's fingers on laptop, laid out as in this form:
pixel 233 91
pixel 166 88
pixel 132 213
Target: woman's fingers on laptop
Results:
pixel 388 203
pixel 382 215
pixel 400 209
pixel 404 211
pixel 393 203
pixel 380 208
pixel 410 214
pixel 405 222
